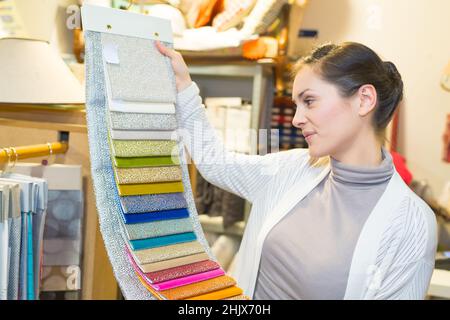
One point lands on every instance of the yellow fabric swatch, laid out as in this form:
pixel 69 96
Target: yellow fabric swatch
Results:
pixel 151 188
pixel 148 175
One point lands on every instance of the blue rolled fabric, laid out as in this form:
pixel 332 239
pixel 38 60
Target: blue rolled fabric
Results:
pixel 155 216
pixel 162 241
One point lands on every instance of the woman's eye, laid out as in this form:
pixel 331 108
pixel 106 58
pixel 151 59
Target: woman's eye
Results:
pixel 308 102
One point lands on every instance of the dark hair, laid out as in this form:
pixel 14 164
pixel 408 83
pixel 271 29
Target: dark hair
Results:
pixel 351 65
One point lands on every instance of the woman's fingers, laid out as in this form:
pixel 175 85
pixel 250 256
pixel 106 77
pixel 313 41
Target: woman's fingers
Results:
pixel 164 50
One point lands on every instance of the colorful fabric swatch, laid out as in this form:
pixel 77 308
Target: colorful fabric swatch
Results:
pixel 144 148
pixel 162 241
pixel 220 294
pixel 142 121
pixel 167 252
pixel 155 216
pixel 199 288
pixel 158 228
pixel 143 135
pixel 170 284
pixel 152 202
pixel 142 72
pixel 151 188
pixel 172 263
pixel 148 175
pixel 175 272
pixel 140 162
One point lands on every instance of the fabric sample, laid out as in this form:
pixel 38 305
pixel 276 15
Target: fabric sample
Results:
pixel 23 279
pixel 152 188
pixel 142 74
pixel 221 294
pixel 158 228
pixel 238 297
pixel 172 263
pixel 144 148
pixel 162 241
pixel 182 271
pixel 199 288
pixel 167 252
pixel 163 270
pixel 140 162
pixel 188 280
pixel 143 135
pixel 109 212
pixel 142 121
pixel 152 202
pixel 140 107
pixel 30 258
pixel 131 218
pixel 13 277
pixel 148 175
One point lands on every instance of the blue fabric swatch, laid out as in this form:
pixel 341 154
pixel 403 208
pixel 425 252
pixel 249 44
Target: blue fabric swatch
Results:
pixel 153 202
pixel 155 216
pixel 162 241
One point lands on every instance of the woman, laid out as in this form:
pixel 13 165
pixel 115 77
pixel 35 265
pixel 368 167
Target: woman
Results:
pixel 334 221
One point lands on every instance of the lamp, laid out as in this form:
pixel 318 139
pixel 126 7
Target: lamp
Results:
pixel 31 71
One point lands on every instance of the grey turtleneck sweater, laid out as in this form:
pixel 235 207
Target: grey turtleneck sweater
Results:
pixel 308 254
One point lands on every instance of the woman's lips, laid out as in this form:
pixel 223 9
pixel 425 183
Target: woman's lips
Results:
pixel 309 137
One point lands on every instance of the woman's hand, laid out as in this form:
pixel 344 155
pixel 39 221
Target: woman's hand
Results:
pixel 183 79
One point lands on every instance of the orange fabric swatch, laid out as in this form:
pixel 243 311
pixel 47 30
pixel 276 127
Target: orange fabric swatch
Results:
pixel 219 295
pixel 199 288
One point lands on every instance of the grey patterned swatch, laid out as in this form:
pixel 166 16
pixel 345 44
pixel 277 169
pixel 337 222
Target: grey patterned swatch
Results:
pixel 142 74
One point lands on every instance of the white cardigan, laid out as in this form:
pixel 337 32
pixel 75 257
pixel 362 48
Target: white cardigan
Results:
pixel 395 253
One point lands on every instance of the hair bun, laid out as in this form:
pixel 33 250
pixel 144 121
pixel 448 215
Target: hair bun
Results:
pixel 391 70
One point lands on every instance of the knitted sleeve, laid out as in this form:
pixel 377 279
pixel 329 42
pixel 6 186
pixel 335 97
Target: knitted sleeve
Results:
pixel 408 257
pixel 242 174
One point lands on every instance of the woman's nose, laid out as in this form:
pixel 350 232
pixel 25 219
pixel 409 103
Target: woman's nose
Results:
pixel 299 119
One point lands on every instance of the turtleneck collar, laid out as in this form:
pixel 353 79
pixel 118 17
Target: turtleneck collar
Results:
pixel 359 175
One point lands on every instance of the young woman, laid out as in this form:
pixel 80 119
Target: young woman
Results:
pixel 334 221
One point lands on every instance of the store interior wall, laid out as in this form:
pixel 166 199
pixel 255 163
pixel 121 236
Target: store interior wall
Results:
pixel 414 35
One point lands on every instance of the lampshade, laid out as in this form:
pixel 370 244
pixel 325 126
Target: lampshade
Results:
pixel 31 71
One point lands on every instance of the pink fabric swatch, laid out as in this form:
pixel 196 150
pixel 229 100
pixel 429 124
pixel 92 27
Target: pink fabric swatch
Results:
pixel 175 282
pixel 188 280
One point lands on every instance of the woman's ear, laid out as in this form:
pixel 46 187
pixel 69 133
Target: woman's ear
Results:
pixel 368 99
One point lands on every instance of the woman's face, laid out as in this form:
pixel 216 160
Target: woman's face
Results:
pixel 328 121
